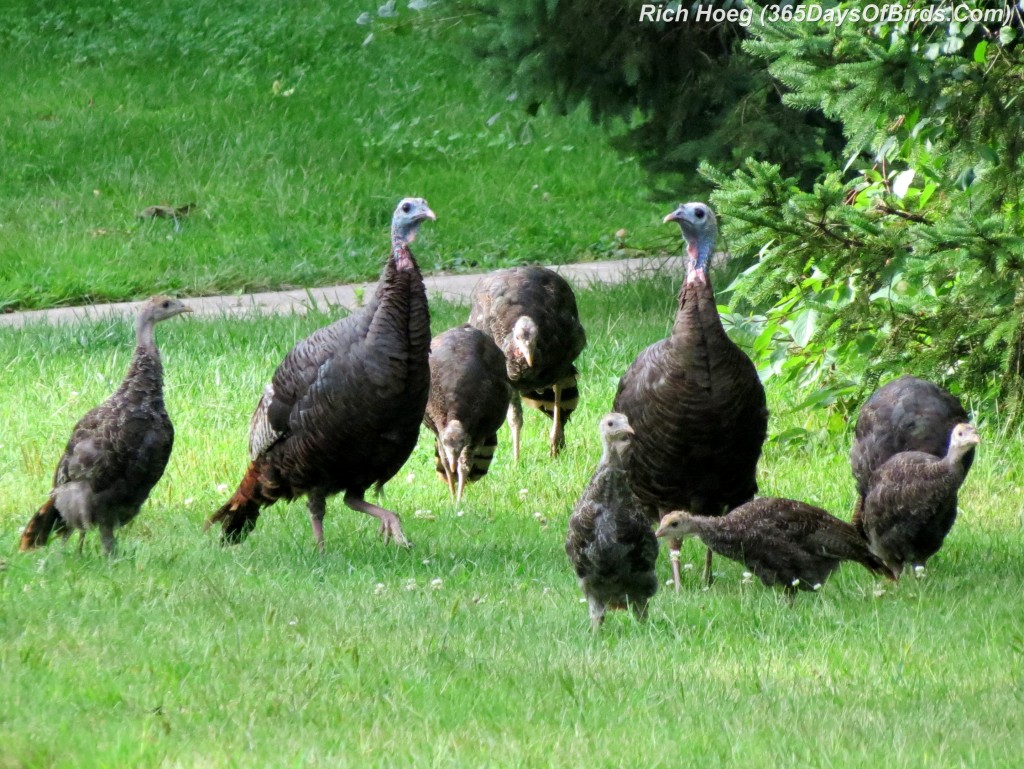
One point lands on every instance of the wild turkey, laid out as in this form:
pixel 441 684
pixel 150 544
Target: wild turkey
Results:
pixel 469 395
pixel 907 414
pixel 912 502
pixel 117 451
pixel 610 542
pixel 783 541
pixel 530 313
pixel 695 401
pixel 343 410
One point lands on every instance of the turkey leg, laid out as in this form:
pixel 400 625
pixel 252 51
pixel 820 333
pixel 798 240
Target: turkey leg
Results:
pixel 515 422
pixel 557 430
pixel 390 526
pixel 317 505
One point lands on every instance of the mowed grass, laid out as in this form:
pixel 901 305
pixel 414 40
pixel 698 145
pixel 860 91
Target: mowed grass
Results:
pixel 470 649
pixel 294 130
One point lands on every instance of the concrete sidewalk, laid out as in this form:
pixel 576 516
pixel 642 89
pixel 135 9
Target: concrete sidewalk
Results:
pixel 451 287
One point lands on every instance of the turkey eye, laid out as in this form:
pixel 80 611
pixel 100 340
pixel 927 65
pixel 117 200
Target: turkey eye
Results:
pixel 406 208
pixel 165 304
pixel 699 213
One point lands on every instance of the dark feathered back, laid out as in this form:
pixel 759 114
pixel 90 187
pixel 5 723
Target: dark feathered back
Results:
pixel 468 385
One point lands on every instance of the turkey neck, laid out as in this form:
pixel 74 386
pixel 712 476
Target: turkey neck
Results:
pixel 611 455
pixel 401 299
pixel 146 373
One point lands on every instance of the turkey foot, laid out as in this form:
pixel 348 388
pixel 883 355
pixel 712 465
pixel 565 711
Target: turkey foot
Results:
pixel 390 526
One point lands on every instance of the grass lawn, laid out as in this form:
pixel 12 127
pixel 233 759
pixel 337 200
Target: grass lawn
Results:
pixel 295 133
pixel 471 649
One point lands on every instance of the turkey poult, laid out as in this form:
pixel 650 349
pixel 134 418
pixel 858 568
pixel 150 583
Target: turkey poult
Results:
pixel 117 451
pixel 610 542
pixel 907 414
pixel 343 410
pixel 469 395
pixel 784 542
pixel 695 401
pixel 912 502
pixel 530 313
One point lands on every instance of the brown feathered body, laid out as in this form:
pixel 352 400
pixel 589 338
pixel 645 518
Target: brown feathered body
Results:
pixel 502 298
pixel 468 385
pixel 117 452
pixel 610 542
pixel 907 414
pixel 912 505
pixel 699 411
pixel 785 542
pixel 343 410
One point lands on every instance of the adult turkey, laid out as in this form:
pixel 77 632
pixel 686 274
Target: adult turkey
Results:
pixel 118 451
pixel 907 414
pixel 469 395
pixel 695 401
pixel 911 505
pixel 610 543
pixel 783 541
pixel 530 313
pixel 343 410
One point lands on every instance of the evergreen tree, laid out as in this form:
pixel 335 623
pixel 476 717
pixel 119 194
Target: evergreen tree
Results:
pixel 911 260
pixel 673 93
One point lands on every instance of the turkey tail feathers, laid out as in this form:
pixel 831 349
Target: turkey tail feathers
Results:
pixel 238 515
pixel 544 400
pixel 42 524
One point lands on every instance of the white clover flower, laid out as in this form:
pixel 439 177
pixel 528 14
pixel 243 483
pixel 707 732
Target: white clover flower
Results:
pixel 410 584
pixel 524 493
pixel 459 513
pixel 410 477
pixel 919 571
pixel 748 578
pixel 669 582
pixel 436 583
pixel 687 567
pixel 426 562
pixel 879 592
pixel 293 621
pixel 188 501
pixel 222 487
pixel 817 587
pixel 584 600
pixel 795 582
pixel 380 588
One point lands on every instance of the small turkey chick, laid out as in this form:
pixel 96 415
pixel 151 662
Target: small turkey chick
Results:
pixel 783 541
pixel 912 502
pixel 531 314
pixel 469 395
pixel 117 451
pixel 610 542
pixel 906 414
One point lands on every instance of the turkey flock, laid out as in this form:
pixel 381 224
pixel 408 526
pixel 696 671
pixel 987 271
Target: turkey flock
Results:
pixel 680 444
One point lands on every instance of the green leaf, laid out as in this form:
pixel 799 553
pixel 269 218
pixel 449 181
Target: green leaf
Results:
pixel 979 51
pixel 1007 35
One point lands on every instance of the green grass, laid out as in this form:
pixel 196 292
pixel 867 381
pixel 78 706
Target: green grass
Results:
pixel 294 136
pixel 183 653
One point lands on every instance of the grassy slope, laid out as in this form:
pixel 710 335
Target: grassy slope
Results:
pixel 183 653
pixel 115 106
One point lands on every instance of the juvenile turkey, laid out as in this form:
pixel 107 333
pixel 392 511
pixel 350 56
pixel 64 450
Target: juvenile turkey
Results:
pixel 610 542
pixel 469 395
pixel 343 410
pixel 784 542
pixel 695 401
pixel 530 313
pixel 912 502
pixel 117 451
pixel 907 414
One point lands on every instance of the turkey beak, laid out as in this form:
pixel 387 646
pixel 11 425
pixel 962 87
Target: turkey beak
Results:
pixel 462 485
pixel 672 217
pixel 661 532
pixel 628 429
pixel 428 214
pixel 186 308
